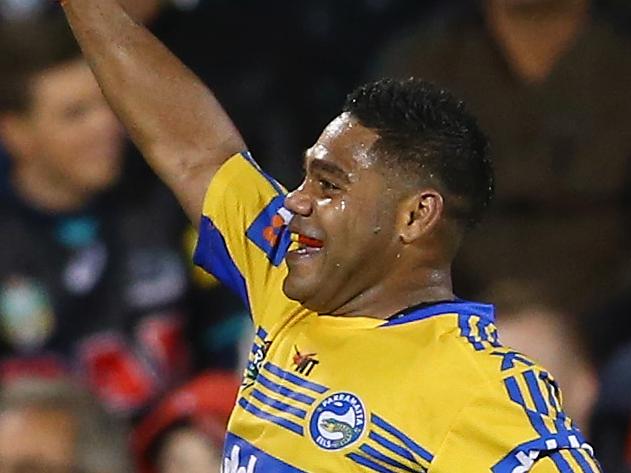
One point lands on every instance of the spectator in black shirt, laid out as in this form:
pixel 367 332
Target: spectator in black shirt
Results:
pixel 91 280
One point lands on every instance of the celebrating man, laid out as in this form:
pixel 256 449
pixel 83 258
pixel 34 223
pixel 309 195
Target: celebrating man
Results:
pixel 363 359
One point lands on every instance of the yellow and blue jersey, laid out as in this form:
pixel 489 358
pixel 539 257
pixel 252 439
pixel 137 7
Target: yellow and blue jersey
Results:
pixel 430 390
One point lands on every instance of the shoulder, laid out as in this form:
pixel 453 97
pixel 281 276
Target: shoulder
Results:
pixel 470 362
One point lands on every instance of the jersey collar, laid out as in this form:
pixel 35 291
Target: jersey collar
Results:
pixel 427 310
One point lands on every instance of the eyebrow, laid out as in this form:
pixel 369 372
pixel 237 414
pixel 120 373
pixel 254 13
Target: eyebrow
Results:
pixel 329 168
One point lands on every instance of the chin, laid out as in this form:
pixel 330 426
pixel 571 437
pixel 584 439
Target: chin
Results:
pixel 103 180
pixel 293 290
pixel 299 289
pixel 306 295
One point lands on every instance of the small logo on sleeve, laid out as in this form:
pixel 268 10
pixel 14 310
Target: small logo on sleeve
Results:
pixel 304 363
pixel 269 230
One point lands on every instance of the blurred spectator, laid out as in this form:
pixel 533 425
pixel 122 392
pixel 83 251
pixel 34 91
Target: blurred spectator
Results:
pixel 529 321
pixel 52 426
pixel 548 80
pixel 307 76
pixel 92 274
pixel 96 257
pixel 610 330
pixel 611 425
pixel 185 432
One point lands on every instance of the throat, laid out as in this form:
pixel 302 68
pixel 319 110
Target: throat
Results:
pixel 397 295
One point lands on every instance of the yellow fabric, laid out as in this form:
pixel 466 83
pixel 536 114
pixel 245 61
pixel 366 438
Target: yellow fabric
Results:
pixel 428 391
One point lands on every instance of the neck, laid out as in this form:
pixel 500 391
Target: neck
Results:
pixel 534 35
pixel 400 292
pixel 39 191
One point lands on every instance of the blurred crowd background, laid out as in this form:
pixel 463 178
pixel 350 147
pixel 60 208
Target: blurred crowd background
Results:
pixel 116 355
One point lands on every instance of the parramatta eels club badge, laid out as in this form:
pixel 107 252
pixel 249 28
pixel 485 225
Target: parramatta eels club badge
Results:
pixel 338 421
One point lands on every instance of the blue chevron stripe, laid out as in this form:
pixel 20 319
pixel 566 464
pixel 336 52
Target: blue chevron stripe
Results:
pixel 407 441
pixel 465 331
pixel 283 391
pixel 546 446
pixel 292 378
pixel 585 468
pixel 515 394
pixel 368 450
pixel 560 418
pixel 561 463
pixel 535 392
pixel 393 447
pixel 261 333
pixel 368 463
pixel 278 405
pixel 287 424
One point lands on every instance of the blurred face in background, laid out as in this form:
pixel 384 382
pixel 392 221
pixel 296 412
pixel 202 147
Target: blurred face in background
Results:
pixel 68 139
pixel 539 332
pixel 37 441
pixel 188 450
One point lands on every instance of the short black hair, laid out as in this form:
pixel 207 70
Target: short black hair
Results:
pixel 28 48
pixel 428 133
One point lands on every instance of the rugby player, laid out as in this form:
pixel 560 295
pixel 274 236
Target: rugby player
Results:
pixel 363 359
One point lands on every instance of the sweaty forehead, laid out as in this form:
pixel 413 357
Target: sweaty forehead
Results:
pixel 345 142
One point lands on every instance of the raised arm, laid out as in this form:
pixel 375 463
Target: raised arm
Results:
pixel 176 122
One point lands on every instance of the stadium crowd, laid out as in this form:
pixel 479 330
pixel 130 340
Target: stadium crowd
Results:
pixel 105 324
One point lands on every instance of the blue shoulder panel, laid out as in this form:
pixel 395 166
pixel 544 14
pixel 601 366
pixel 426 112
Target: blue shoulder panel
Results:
pixel 212 255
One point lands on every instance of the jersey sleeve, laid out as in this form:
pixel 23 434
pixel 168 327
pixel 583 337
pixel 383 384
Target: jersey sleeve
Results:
pixel 574 460
pixel 243 237
pixel 516 429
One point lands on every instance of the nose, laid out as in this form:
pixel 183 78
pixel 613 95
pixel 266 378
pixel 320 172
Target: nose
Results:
pixel 298 202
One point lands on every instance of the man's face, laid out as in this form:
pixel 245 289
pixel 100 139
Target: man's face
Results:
pixel 345 205
pixel 69 133
pixel 37 440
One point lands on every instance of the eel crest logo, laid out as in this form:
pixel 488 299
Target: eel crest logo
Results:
pixel 338 421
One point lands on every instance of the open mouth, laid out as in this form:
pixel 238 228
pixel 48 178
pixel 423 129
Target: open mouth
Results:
pixel 306 245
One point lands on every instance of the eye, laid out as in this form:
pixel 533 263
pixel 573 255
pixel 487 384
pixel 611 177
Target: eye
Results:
pixel 327 185
pixel 76 111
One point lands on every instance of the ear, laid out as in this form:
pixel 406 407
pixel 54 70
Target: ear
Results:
pixel 420 214
pixel 15 134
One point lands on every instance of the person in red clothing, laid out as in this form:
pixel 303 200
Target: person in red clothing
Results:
pixel 186 431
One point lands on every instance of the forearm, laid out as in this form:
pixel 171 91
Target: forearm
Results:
pixel 176 122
